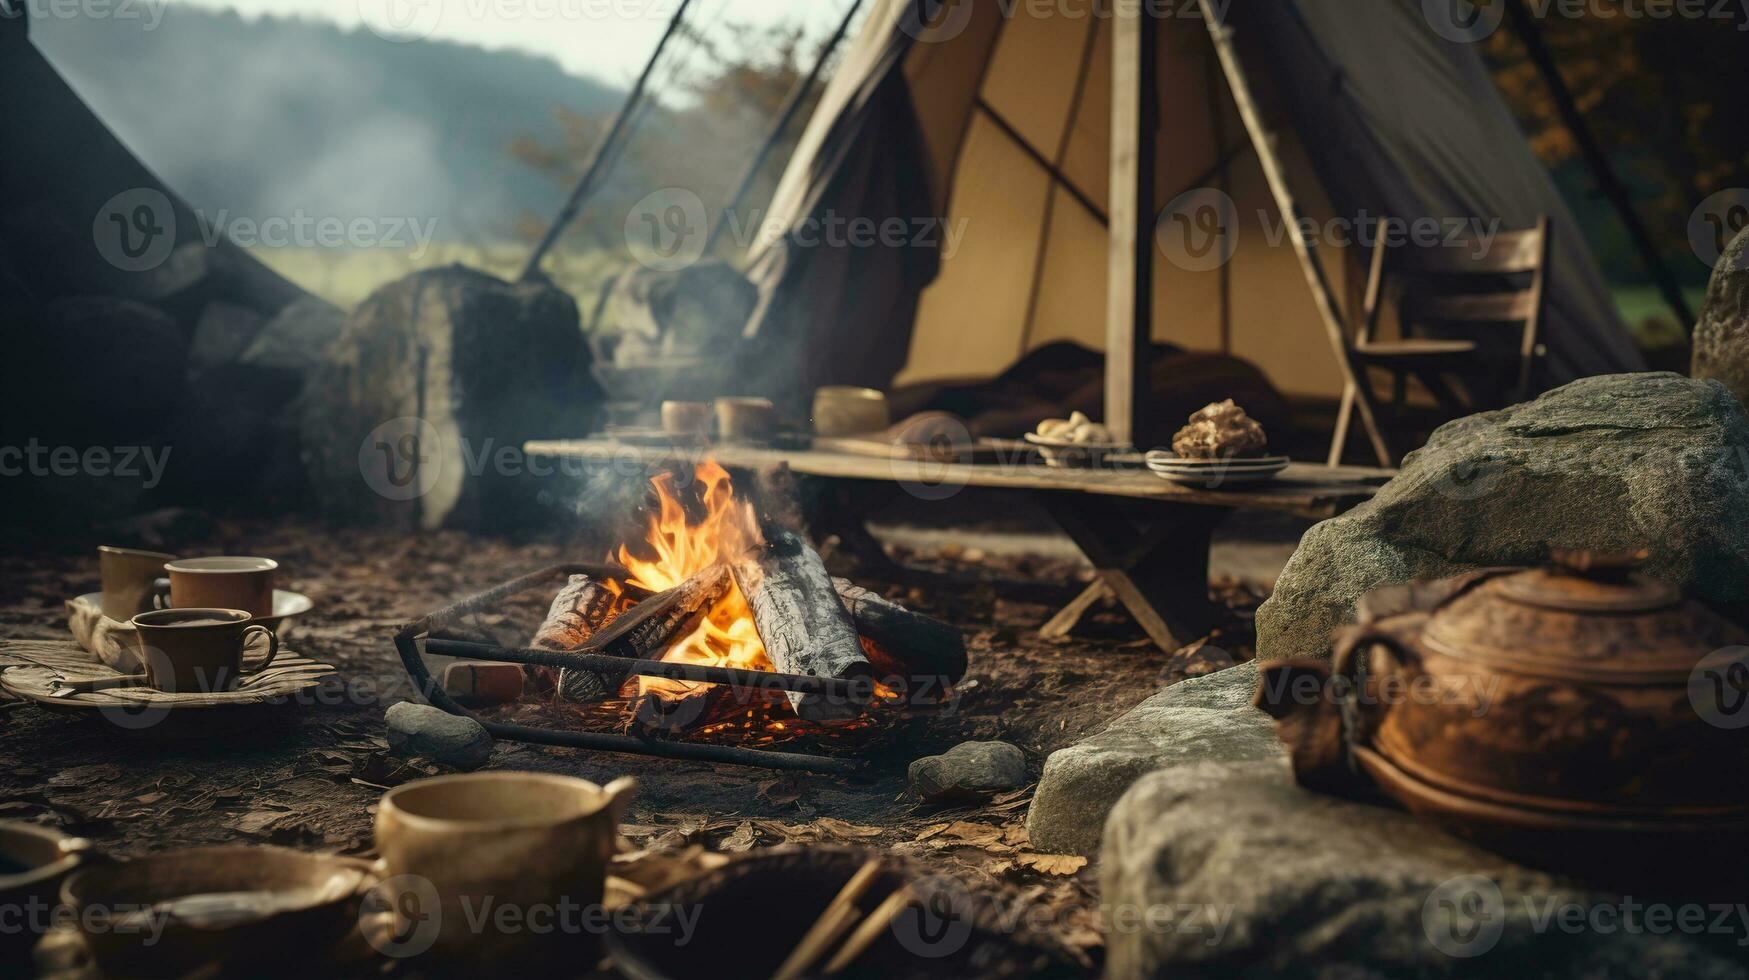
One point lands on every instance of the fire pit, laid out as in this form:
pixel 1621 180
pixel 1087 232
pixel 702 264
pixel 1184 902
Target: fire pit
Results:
pixel 715 628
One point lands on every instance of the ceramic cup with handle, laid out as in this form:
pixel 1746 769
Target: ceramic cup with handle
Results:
pixel 188 651
pixel 538 843
pixel 128 576
pixel 226 582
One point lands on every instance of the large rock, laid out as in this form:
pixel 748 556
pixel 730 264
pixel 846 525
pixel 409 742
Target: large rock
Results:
pixel 454 740
pixel 418 413
pixel 1721 337
pixel 1220 870
pixel 968 772
pixel 1613 463
pixel 1207 718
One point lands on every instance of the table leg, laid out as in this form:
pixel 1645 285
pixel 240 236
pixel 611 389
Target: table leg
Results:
pixel 1068 617
pixel 1154 558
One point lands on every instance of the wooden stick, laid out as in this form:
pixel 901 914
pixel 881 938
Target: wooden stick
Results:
pixel 871 929
pixel 831 923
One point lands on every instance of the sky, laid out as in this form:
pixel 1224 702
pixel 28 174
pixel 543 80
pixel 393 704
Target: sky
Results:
pixel 606 39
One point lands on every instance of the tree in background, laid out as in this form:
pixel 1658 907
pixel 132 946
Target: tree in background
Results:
pixel 718 91
pixel 1663 96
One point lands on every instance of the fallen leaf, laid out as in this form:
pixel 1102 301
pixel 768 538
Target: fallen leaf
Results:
pixel 931 830
pixel 149 798
pixel 973 833
pixel 844 828
pixel 779 792
pixel 1053 864
pixel 742 839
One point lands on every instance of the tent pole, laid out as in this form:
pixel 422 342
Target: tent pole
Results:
pixel 1273 172
pixel 603 150
pixel 1129 304
pixel 785 116
pixel 1531 33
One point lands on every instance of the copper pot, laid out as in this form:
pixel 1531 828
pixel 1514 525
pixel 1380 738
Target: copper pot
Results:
pixel 1542 712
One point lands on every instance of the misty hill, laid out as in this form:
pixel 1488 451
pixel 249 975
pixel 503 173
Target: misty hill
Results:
pixel 269 116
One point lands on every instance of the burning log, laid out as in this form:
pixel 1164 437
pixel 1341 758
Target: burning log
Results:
pixel 583 606
pixel 803 623
pixel 581 620
pixel 917 647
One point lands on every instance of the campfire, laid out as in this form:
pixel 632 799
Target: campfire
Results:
pixel 711 624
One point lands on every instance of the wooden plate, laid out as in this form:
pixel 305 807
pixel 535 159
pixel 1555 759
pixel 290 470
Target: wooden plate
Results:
pixel 29 669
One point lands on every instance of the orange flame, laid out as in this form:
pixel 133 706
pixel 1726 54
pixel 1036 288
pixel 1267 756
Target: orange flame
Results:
pixel 728 532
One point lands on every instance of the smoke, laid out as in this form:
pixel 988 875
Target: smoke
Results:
pixel 269 117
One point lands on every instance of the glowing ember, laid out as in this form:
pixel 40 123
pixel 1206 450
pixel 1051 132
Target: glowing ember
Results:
pixel 727 532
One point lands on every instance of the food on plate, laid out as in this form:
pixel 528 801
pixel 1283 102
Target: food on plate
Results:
pixel 1220 431
pixel 1077 428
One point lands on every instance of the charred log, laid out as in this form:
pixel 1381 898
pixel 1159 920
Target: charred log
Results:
pixel 909 644
pixel 581 608
pixel 803 623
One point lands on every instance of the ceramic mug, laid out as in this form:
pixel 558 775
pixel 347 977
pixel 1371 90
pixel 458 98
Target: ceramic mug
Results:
pixel 843 410
pixel 198 650
pixel 535 842
pixel 686 420
pixel 228 582
pixel 128 580
pixel 33 862
pixel 746 419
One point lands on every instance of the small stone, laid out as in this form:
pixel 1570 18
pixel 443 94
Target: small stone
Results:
pixel 968 772
pixel 420 729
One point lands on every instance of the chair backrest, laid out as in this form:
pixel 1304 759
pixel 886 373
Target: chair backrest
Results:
pixel 1465 286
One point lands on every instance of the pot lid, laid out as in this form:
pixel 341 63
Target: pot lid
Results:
pixel 1586 616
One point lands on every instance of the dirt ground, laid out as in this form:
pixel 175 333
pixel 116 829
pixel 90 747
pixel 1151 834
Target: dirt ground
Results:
pixel 307 775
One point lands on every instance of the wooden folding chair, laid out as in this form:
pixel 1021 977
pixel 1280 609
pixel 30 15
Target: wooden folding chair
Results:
pixel 1449 301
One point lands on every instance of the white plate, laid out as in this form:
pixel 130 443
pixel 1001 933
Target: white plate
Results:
pixel 1217 481
pixel 1161 458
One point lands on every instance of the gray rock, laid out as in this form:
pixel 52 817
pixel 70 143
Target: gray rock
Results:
pixel 968 772
pixel 417 415
pixel 222 333
pixel 297 336
pixel 1721 336
pixel 1222 870
pixel 1206 718
pixel 420 729
pixel 1611 463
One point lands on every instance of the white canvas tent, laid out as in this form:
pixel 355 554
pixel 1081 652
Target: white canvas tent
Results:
pixel 997 117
